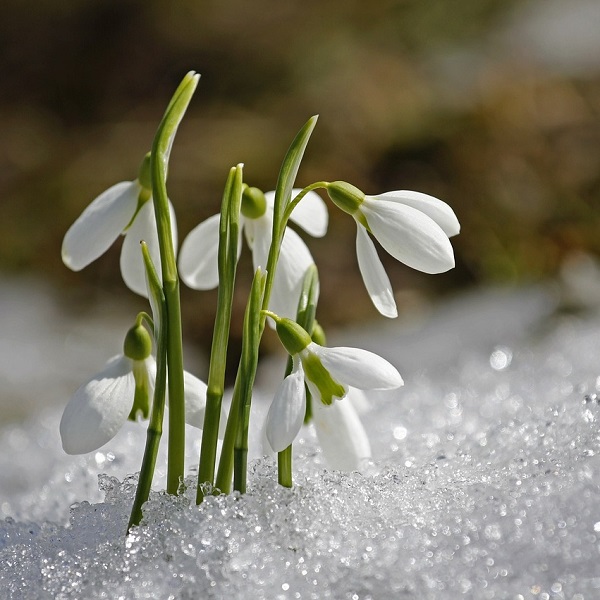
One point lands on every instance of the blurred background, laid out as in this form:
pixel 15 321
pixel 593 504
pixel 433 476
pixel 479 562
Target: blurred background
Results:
pixel 491 105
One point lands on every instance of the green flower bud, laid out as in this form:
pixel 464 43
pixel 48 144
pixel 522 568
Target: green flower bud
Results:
pixel 138 343
pixel 314 371
pixel 345 196
pixel 144 176
pixel 293 337
pixel 254 203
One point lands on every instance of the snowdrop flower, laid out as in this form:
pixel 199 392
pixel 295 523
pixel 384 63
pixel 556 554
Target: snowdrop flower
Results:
pixel 121 391
pixel 198 266
pixel 123 209
pixel 327 372
pixel 413 227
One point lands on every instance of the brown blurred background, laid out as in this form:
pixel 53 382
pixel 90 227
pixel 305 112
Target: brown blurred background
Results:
pixel 491 105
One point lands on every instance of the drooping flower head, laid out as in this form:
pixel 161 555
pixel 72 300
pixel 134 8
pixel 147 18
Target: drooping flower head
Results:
pixel 198 264
pixel 122 390
pixel 123 209
pixel 327 372
pixel 413 227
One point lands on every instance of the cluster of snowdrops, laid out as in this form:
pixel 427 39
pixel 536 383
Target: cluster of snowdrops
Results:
pixel 322 385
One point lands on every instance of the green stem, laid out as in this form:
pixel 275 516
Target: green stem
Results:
pixel 284 467
pixel 234 452
pixel 161 149
pixel 236 434
pixel 305 317
pixel 249 364
pixel 228 242
pixel 296 200
pixel 155 425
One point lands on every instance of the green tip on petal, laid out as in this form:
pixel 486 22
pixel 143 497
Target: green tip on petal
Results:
pixel 138 343
pixel 315 372
pixel 345 196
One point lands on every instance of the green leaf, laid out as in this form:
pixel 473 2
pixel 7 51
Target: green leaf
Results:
pixel 289 169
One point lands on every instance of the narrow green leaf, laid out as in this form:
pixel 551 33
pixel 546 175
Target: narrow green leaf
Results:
pixel 289 169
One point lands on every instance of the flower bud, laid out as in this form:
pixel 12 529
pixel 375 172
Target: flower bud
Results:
pixel 345 196
pixel 254 203
pixel 138 343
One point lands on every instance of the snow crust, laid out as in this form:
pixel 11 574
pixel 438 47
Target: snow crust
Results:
pixel 484 484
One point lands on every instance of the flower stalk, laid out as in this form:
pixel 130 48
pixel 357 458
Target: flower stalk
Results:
pixel 155 426
pixel 159 160
pixel 305 317
pixel 228 244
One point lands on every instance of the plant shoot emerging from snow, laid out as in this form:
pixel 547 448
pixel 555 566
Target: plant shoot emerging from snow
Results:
pixel 322 385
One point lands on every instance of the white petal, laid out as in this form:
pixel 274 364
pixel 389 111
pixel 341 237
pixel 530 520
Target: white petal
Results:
pixel 358 368
pixel 100 224
pixel 258 235
pixel 99 408
pixel 433 207
pixel 374 276
pixel 294 260
pixel 286 413
pixel 311 214
pixel 359 400
pixel 132 263
pixel 341 435
pixel 409 235
pixel 198 259
pixel 270 199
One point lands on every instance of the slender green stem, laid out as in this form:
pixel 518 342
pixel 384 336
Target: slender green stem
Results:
pixel 234 450
pixel 284 467
pixel 249 364
pixel 176 455
pixel 305 317
pixel 228 242
pixel 161 149
pixel 296 200
pixel 237 424
pixel 155 425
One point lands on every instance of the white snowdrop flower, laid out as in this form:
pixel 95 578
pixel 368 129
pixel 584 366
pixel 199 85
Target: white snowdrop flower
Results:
pixel 122 390
pixel 327 372
pixel 124 209
pixel 198 265
pixel 413 227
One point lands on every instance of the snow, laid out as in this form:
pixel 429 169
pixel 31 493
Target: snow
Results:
pixel 483 484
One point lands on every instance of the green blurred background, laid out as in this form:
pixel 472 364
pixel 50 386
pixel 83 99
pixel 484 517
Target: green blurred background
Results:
pixel 491 105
